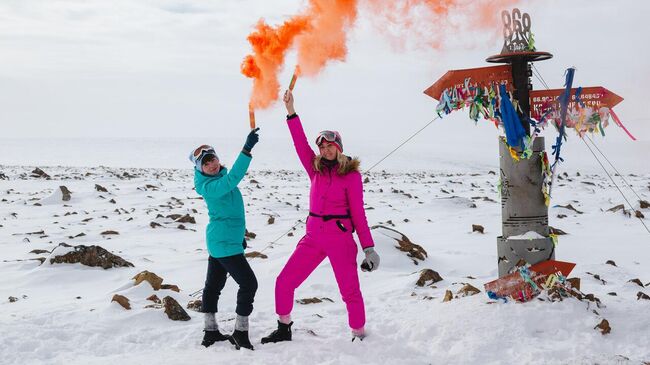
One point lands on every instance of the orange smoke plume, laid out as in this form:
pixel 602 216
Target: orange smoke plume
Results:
pixel 320 34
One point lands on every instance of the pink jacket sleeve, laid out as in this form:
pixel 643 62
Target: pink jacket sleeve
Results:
pixel 305 153
pixel 358 213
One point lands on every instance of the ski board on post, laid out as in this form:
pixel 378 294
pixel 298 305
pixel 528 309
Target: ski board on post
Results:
pixel 478 76
pixel 515 286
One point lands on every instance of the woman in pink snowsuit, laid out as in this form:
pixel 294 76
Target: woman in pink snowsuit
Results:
pixel 335 212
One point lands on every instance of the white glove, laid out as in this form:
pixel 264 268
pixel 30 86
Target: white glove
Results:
pixel 371 262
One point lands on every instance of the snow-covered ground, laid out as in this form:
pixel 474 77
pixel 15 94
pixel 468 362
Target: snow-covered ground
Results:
pixel 64 312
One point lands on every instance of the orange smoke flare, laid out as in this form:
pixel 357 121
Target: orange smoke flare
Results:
pixel 251 115
pixel 319 33
pixel 296 73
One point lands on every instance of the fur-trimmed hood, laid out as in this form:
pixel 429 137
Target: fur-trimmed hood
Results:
pixel 352 164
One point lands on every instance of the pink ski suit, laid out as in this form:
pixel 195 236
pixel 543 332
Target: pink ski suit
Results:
pixel 330 194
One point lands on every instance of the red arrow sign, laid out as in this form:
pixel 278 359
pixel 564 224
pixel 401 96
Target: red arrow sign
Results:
pixel 482 75
pixel 594 97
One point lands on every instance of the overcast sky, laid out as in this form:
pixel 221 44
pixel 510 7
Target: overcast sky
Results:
pixel 170 68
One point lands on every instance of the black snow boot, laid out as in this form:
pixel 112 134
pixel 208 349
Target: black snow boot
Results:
pixel 240 339
pixel 283 333
pixel 210 337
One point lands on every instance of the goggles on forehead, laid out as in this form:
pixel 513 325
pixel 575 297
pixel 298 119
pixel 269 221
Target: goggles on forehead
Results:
pixel 203 149
pixel 329 136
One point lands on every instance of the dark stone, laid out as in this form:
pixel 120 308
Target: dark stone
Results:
pixel 40 174
pixel 195 305
pixel 122 300
pixel 428 275
pixel 154 298
pixel 414 251
pixel 186 219
pixel 610 262
pixel 174 310
pixel 66 193
pixel 94 256
pixel 468 290
pixel 604 327
pixel 100 188
pixel 636 281
pixel 256 254
pixel 151 278
pixel 478 228
pixel 171 287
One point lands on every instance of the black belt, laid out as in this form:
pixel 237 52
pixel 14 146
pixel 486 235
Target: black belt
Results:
pixel 328 217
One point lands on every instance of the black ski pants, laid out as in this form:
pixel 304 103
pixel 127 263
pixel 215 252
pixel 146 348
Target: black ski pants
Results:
pixel 241 272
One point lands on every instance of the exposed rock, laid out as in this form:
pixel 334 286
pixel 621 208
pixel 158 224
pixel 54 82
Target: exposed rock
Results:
pixel 94 256
pixel 644 204
pixel 556 231
pixel 13 299
pixel 154 225
pixel 642 295
pixel 100 188
pixel 638 214
pixel 604 327
pixel 174 310
pixel 468 290
pixel 414 251
pixel 186 219
pixel 171 287
pixel 448 296
pixel 271 220
pixel 610 262
pixel 108 233
pixel 428 275
pixel 616 208
pixel 313 300
pixel 39 251
pixel 249 234
pixel 66 193
pixel 154 298
pixel 256 254
pixel 149 277
pixel 636 281
pixel 575 283
pixel 478 228
pixel 122 300
pixel 38 173
pixel 195 305
pixel 570 207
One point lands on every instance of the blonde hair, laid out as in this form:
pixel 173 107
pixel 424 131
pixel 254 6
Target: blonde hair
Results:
pixel 343 161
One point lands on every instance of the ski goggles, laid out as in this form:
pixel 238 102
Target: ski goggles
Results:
pixel 329 136
pixel 203 149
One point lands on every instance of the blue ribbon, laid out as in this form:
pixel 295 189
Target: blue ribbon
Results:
pixel 515 133
pixel 564 99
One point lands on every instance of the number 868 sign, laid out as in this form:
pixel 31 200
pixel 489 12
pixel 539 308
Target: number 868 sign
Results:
pixel 516 31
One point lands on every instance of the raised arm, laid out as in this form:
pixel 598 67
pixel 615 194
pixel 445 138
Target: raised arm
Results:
pixel 358 213
pixel 215 188
pixel 305 153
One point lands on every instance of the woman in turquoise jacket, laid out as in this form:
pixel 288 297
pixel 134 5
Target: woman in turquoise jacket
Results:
pixel 225 239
